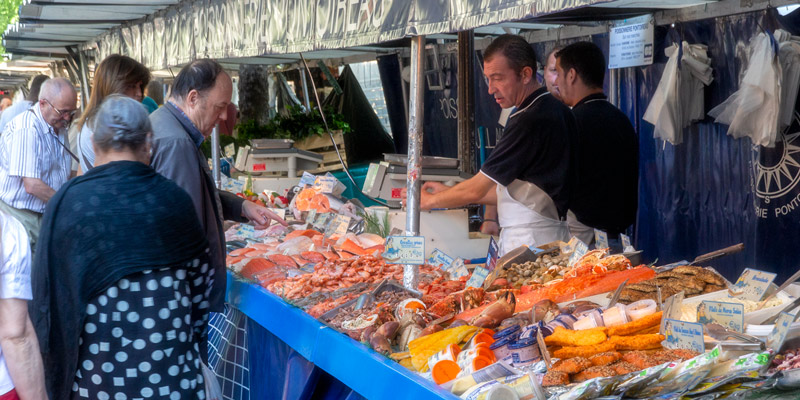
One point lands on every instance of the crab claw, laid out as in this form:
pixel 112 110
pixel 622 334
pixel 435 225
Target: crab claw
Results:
pixel 493 315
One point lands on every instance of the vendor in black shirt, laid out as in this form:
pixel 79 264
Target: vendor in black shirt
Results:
pixel 605 194
pixel 526 175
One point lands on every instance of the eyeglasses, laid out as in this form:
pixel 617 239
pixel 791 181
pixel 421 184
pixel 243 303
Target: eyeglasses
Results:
pixel 61 113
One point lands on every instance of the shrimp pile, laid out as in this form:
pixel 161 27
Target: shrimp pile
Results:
pixel 331 275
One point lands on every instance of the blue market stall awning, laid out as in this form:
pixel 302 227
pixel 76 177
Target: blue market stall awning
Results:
pixel 370 374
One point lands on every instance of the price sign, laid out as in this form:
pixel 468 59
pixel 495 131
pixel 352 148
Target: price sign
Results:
pixel 729 315
pixel 479 275
pixel 440 259
pixel 230 150
pixel 492 254
pixel 321 221
pixel 600 239
pixel 683 335
pixel 753 284
pixel 580 250
pixel 338 226
pixel 307 179
pixel 405 250
pixel 778 336
pixel 311 216
pixel 457 269
pixel 247 231
pixel 326 184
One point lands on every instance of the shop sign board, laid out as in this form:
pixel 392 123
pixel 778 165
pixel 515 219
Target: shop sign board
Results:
pixel 631 42
pixel 409 250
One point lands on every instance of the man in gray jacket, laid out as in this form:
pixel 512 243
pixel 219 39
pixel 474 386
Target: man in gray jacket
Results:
pixel 198 101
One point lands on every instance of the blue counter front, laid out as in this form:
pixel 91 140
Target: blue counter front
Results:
pixel 291 355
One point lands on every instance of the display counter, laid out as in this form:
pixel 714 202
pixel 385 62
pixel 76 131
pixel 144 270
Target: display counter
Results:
pixel 363 370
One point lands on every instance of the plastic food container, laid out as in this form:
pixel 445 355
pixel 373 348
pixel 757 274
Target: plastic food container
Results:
pixel 483 338
pixel 524 352
pixel 445 371
pixel 474 364
pixel 510 331
pixel 450 352
pixel 465 356
pixel 500 348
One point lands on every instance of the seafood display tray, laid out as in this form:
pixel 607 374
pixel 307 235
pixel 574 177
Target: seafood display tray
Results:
pixel 384 286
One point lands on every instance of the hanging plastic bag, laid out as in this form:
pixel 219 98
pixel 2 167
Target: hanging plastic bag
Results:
pixel 752 111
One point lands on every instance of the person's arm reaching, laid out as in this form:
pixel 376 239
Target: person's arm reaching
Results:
pixel 37 187
pixel 471 191
pixel 21 349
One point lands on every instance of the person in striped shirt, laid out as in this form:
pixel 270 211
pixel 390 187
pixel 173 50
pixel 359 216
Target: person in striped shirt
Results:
pixel 34 155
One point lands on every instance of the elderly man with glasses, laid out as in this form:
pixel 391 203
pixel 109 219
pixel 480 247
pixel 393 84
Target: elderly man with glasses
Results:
pixel 34 155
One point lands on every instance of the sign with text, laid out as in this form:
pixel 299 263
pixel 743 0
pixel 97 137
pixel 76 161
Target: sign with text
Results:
pixel 631 42
pixel 405 250
pixel 729 315
pixel 753 284
pixel 600 239
pixel 778 335
pixel 479 275
pixel 440 259
pixel 457 269
pixel 683 335
pixel 580 250
pixel 492 255
pixel 338 226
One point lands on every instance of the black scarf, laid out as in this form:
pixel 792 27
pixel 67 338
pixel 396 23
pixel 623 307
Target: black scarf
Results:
pixel 118 219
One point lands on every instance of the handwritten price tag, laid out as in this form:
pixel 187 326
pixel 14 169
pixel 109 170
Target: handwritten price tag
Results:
pixel 600 239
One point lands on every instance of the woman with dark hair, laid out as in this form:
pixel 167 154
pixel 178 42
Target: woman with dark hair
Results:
pixel 153 96
pixel 121 277
pixel 116 74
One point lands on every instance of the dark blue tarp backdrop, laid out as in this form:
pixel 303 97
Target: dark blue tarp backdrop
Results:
pixel 441 110
pixel 711 191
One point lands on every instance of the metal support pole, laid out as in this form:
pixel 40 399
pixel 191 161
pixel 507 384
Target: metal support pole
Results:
pixel 466 100
pixel 306 99
pixel 215 157
pixel 613 87
pixel 415 121
pixel 84 72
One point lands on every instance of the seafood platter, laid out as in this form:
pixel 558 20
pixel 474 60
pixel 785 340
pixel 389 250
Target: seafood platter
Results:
pixel 555 326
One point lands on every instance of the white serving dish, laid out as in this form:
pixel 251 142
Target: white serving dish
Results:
pixel 750 317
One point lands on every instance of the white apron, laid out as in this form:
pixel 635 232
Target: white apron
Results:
pixel 523 226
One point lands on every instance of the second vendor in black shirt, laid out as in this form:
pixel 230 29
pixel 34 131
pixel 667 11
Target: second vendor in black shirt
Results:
pixel 605 191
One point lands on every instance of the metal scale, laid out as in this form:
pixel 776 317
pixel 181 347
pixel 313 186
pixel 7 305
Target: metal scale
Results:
pixel 385 180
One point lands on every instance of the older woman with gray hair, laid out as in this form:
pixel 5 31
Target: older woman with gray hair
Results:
pixel 121 278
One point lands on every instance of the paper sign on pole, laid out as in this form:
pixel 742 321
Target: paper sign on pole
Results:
pixel 631 42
